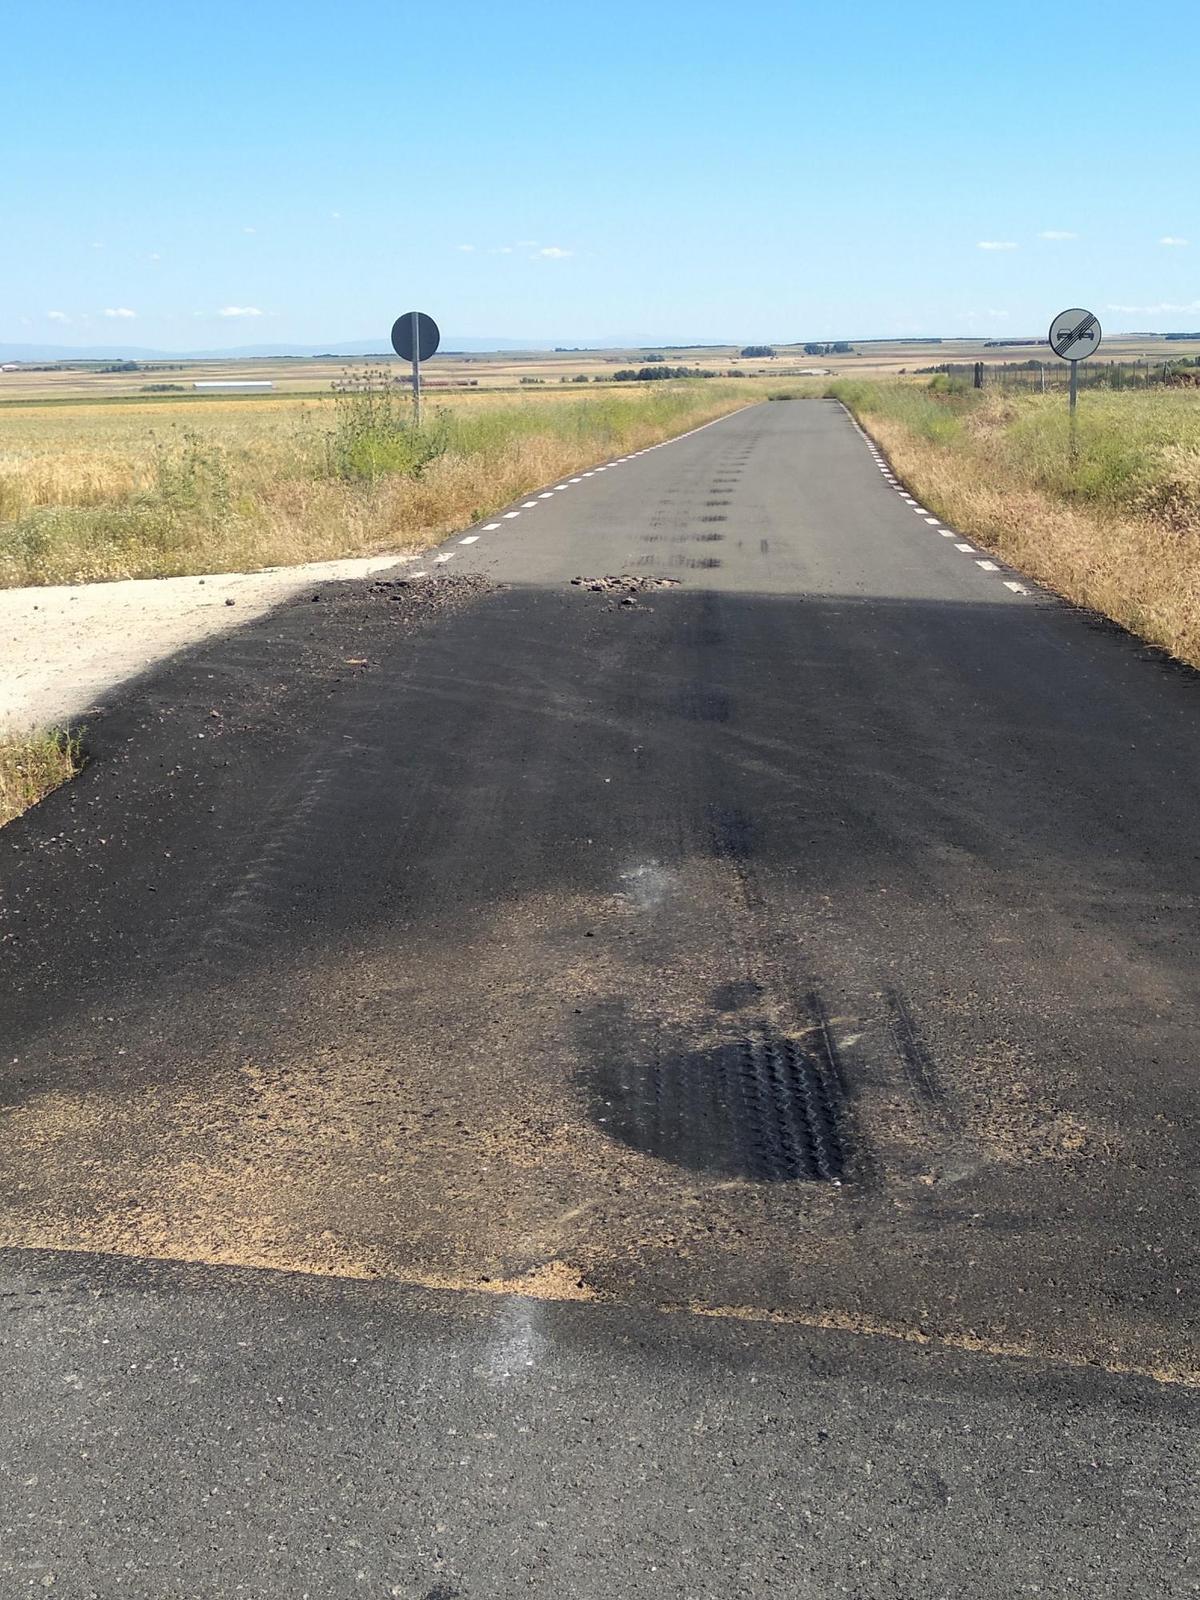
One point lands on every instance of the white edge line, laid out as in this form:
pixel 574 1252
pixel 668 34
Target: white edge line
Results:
pixel 490 527
pixel 1017 588
pixel 472 538
pixel 988 566
pixel 967 549
pixel 509 515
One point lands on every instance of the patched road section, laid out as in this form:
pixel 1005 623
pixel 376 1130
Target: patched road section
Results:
pixel 809 946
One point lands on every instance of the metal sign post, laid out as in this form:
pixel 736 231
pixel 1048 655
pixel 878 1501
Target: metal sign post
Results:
pixel 1074 336
pixel 416 366
pixel 415 337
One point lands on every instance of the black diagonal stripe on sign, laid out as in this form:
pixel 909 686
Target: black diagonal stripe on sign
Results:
pixel 1079 331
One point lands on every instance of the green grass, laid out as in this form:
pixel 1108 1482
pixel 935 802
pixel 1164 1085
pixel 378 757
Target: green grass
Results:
pixel 32 765
pixel 1136 451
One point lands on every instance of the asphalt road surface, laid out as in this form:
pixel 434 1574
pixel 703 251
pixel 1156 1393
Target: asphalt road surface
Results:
pixel 511 1092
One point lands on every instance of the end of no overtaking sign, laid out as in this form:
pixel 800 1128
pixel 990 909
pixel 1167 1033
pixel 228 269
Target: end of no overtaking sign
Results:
pixel 1075 334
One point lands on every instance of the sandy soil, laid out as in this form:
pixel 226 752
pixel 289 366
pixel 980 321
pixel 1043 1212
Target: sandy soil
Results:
pixel 64 648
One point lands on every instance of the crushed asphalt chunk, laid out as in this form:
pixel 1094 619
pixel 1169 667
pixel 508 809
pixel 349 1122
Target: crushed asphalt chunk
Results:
pixel 626 584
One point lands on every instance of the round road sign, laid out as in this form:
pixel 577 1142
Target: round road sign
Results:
pixel 1075 334
pixel 428 337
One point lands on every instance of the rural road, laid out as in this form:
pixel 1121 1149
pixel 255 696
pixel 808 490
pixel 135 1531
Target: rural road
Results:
pixel 506 1092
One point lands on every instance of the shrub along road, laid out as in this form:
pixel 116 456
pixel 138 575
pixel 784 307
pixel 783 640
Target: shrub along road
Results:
pixel 509 1091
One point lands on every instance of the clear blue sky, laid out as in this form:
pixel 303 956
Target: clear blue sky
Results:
pixel 603 172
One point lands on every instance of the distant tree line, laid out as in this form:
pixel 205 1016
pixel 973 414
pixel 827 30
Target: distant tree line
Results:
pixel 759 352
pixel 841 348
pixel 648 374
pixel 659 370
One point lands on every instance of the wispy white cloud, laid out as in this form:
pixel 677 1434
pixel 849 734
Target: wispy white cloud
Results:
pixel 996 244
pixel 1192 307
pixel 154 256
pixel 239 311
pixel 123 313
pixel 336 215
pixel 552 252
pixel 1170 239
pixel 249 230
pixel 467 249
pixel 1056 233
pixel 58 316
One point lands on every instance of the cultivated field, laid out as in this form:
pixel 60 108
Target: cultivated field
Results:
pixel 1116 528
pixel 531 369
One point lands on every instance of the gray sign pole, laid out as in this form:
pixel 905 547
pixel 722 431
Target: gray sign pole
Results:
pixel 416 366
pixel 1074 406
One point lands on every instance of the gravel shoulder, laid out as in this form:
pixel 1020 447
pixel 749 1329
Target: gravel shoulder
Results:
pixel 65 648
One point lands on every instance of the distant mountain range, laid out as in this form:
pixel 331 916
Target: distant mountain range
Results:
pixel 351 347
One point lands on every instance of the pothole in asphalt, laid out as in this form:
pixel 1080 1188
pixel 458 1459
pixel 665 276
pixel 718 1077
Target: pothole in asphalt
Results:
pixel 625 587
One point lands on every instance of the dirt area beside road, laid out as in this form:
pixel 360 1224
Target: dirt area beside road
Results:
pixel 64 648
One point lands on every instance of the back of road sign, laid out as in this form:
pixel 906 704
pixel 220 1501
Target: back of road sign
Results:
pixel 428 337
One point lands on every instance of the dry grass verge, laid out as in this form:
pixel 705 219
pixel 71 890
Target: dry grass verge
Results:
pixel 32 765
pixel 103 492
pixel 1118 530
